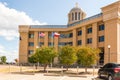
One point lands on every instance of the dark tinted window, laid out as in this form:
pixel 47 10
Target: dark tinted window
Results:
pixel 70 35
pixel 80 33
pixel 79 42
pixel 89 30
pixel 117 65
pixel 101 27
pixel 30 51
pixel 109 65
pixel 101 38
pixel 31 44
pixel 89 40
pixel 31 35
pixel 41 43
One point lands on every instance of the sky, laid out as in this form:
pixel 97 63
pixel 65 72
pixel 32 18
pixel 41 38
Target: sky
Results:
pixel 37 12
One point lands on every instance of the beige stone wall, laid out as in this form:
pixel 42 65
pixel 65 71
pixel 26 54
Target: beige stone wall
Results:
pixel 95 35
pixel 111 39
pixel 23 48
pixel 111 18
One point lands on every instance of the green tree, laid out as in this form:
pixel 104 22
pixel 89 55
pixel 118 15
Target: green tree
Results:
pixel 87 56
pixel 33 58
pixel 67 55
pixel 44 55
pixel 3 59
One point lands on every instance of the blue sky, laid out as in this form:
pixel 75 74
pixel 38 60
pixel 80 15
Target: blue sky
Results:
pixel 18 12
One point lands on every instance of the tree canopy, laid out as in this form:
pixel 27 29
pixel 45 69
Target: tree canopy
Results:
pixel 87 56
pixel 43 55
pixel 3 59
pixel 67 55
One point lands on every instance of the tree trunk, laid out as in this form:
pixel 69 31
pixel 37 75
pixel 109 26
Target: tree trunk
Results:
pixel 67 68
pixel 85 69
pixel 45 66
pixel 35 66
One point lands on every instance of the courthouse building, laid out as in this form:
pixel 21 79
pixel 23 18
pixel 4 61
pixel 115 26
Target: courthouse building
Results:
pixel 98 31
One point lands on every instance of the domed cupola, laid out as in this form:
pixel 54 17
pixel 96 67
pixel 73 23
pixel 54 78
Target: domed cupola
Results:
pixel 75 14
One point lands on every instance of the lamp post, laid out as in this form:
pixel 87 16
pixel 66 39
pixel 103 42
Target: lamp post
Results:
pixel 37 47
pixel 37 62
pixel 109 53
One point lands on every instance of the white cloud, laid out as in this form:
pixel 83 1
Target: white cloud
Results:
pixel 9 34
pixel 10 19
pixel 11 55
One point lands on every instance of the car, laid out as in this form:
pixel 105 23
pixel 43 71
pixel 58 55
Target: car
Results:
pixel 110 71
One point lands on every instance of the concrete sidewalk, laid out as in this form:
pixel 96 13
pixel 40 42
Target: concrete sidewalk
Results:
pixel 28 73
pixel 39 76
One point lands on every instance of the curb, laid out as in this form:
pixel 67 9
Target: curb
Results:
pixel 84 76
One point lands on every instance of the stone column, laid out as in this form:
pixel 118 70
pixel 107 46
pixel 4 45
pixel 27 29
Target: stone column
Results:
pixel 46 39
pixel 23 48
pixel 94 35
pixel 74 37
pixel 23 44
pixel 83 35
pixel 56 39
pixel 36 40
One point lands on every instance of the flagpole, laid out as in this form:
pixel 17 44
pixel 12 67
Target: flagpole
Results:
pixel 52 44
pixel 52 41
pixel 38 38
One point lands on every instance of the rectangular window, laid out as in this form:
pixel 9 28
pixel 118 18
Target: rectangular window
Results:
pixel 101 27
pixel 61 43
pixel 89 30
pixel 31 35
pixel 65 43
pixel 79 42
pixel 80 33
pixel 69 43
pixel 101 38
pixel 89 40
pixel 50 44
pixel 41 43
pixel 30 51
pixel 31 44
pixel 70 35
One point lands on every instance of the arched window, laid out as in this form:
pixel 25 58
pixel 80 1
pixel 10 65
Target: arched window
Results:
pixel 79 16
pixel 75 15
pixel 72 16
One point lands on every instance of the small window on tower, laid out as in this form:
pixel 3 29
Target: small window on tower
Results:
pixel 79 16
pixel 72 16
pixel 75 15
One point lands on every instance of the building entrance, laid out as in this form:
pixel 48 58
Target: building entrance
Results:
pixel 101 56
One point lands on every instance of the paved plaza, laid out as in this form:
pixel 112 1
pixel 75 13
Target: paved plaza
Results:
pixel 15 74
pixel 39 76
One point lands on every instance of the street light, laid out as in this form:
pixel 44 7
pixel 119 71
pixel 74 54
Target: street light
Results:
pixel 37 47
pixel 109 53
pixel 37 62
